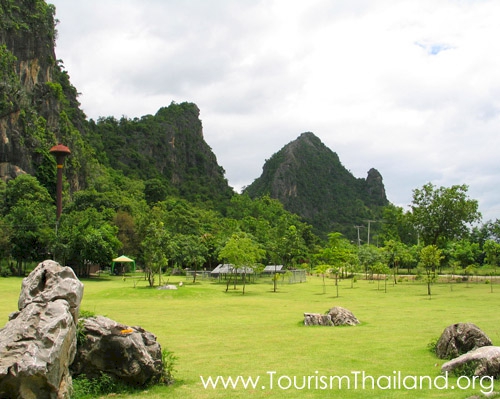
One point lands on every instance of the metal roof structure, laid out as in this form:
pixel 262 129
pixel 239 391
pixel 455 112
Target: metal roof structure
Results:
pixel 227 268
pixel 223 269
pixel 273 268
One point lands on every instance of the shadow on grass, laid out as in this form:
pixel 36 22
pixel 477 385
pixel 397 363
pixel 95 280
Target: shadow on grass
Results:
pixel 361 324
pixel 95 278
pixel 239 292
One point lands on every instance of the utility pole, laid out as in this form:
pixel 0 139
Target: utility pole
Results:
pixel 357 228
pixel 369 221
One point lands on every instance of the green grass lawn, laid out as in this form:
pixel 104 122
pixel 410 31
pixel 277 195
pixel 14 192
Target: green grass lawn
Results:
pixel 214 333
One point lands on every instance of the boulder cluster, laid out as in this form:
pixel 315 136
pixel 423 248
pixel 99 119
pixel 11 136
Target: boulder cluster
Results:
pixel 336 316
pixel 468 348
pixel 39 351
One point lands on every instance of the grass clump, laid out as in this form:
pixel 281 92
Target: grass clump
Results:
pixel 86 388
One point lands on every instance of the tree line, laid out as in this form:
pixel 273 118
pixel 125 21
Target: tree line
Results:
pixel 441 228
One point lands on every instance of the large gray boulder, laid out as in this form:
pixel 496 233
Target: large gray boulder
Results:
pixel 38 343
pixel 460 338
pixel 130 354
pixel 342 317
pixel 336 316
pixel 50 281
pixel 485 361
pixel 317 319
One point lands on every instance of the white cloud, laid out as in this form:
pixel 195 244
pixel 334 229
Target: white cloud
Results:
pixel 410 88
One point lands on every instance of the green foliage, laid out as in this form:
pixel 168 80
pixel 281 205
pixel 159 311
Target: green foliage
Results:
pixel 169 361
pixel 87 237
pixel 242 252
pixel 492 251
pixel 81 337
pixel 155 190
pixel 397 226
pixel 56 90
pixel 430 259
pixel 88 388
pixel 168 151
pixel 443 214
pixel 432 345
pixel 286 238
pixel 463 252
pixel 30 214
pixel 10 85
pixel 28 16
pixel 467 369
pixel 156 247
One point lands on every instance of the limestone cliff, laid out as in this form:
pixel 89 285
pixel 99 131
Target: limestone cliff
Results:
pixel 38 105
pixel 39 108
pixel 309 179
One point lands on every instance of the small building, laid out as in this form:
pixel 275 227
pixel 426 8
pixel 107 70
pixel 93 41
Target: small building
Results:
pixel 227 268
pixel 273 269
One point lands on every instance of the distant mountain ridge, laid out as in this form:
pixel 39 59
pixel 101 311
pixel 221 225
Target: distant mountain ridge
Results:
pixel 309 179
pixel 168 146
pixel 39 108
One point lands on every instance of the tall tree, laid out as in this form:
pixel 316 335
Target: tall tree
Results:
pixel 86 237
pixel 339 254
pixel 492 252
pixel 397 226
pixel 397 255
pixel 242 252
pixel 368 255
pixel 443 214
pixel 191 251
pixel 155 246
pixel 430 258
pixel 30 213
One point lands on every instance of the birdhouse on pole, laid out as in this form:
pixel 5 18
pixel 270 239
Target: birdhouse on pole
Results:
pixel 60 152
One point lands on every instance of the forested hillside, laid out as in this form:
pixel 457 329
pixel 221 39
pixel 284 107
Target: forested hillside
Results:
pixel 309 179
pixel 151 187
pixel 167 150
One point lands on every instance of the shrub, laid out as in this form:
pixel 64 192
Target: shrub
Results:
pixel 80 333
pixel 168 359
pixel 432 345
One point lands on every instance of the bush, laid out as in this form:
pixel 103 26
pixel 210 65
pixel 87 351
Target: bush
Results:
pixel 5 272
pixel 80 333
pixel 168 359
pixel 432 345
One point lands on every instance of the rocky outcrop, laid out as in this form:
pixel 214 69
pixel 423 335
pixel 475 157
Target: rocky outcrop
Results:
pixel 375 188
pixel 336 316
pixel 129 354
pixel 309 179
pixel 31 49
pixel 38 343
pixel 317 319
pixel 485 361
pixel 460 338
pixel 342 317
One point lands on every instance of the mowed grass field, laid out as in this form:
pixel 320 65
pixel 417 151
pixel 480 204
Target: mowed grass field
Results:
pixel 261 334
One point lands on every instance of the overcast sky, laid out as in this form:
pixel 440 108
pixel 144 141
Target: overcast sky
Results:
pixel 411 88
